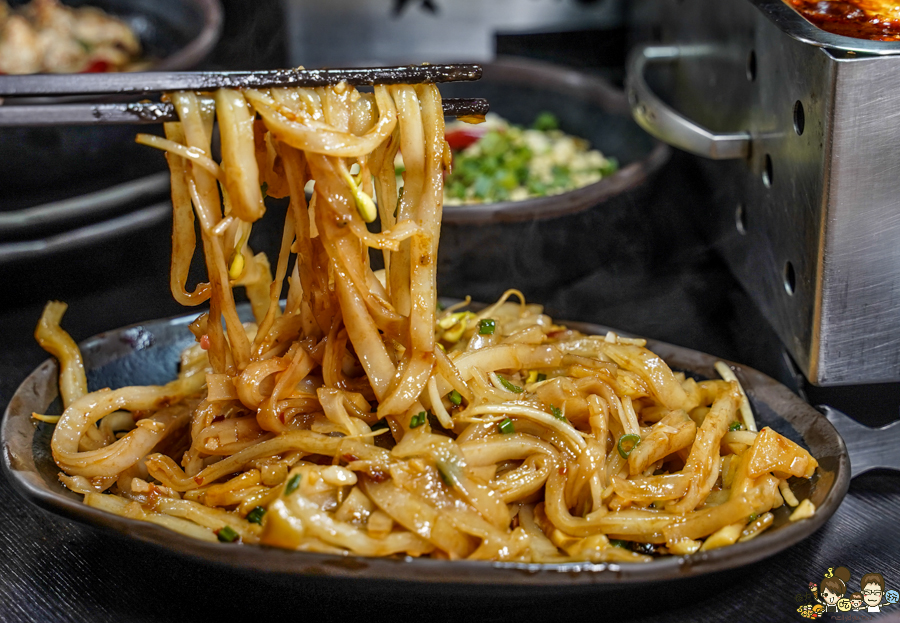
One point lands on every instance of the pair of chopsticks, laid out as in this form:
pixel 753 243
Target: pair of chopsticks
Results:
pixel 138 84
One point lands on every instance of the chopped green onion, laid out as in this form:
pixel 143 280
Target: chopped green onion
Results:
pixel 227 534
pixel 292 484
pixel 557 413
pixel 380 424
pixel 619 543
pixel 562 176
pixel 752 518
pixel 418 419
pixel 513 388
pixel 611 166
pixel 256 515
pixel 455 397
pixel 441 306
pixel 546 121
pixel 264 189
pixel 499 165
pixel 535 377
pixel 449 469
pixel 735 426
pixel 627 443
pixel 506 426
pixel 486 326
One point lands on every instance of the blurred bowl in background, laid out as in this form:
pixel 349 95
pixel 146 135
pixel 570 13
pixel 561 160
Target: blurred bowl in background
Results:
pixel 176 35
pixel 541 245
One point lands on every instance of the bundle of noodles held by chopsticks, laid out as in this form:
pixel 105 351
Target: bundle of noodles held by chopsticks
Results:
pixel 359 419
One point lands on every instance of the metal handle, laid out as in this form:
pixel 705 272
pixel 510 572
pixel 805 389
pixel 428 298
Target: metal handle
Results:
pixel 667 125
pixel 868 448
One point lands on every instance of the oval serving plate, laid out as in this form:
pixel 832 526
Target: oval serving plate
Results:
pixel 148 354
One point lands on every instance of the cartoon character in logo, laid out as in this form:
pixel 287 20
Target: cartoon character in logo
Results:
pixel 810 611
pixel 831 591
pixel 833 587
pixel 873 592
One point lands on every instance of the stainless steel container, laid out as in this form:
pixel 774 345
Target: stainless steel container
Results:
pixel 801 128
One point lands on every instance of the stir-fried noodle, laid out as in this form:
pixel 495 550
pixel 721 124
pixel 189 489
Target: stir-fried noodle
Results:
pixel 359 418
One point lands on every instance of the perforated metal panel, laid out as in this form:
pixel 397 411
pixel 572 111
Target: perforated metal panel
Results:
pixel 809 222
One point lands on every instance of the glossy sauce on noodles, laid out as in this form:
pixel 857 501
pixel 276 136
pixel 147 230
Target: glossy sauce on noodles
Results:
pixel 360 418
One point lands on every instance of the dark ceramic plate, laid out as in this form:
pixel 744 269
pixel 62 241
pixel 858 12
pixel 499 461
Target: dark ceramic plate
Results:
pixel 147 353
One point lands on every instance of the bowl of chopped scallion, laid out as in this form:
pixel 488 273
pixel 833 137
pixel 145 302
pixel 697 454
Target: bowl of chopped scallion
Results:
pixel 541 191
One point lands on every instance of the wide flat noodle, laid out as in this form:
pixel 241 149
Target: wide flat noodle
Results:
pixel 357 418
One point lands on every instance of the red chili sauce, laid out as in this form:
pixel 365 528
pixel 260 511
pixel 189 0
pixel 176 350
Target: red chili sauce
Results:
pixel 851 18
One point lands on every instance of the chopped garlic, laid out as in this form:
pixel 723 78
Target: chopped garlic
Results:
pixel 804 510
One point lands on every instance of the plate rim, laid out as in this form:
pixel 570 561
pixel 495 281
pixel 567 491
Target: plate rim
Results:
pixel 30 484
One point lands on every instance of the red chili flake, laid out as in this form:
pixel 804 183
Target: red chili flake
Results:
pixel 462 138
pixel 204 341
pixel 153 496
pixel 198 480
pixel 349 458
pixel 97 67
pixel 563 470
pixel 377 475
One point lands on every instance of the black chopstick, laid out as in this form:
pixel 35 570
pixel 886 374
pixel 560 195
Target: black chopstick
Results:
pixel 135 83
pixel 154 112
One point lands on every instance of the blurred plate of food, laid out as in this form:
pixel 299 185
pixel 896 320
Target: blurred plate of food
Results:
pixel 569 134
pixel 501 161
pixel 44 36
pixel 558 141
